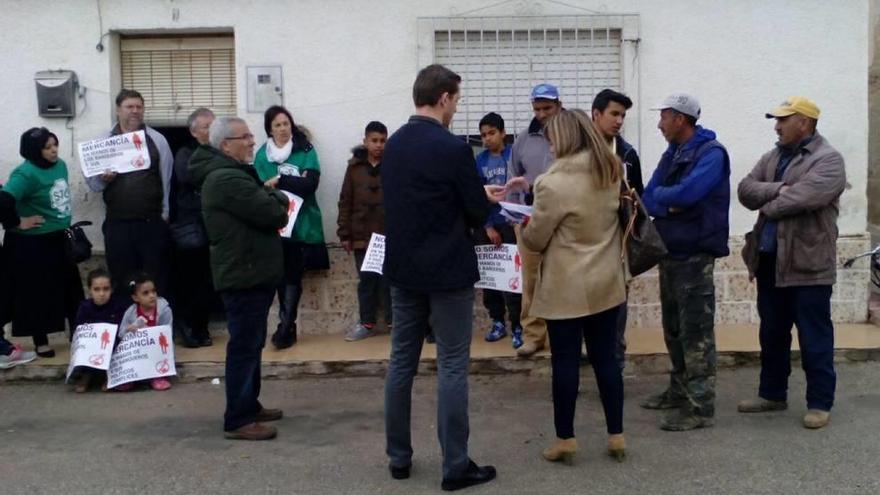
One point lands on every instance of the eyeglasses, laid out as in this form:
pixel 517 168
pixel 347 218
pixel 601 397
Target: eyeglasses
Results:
pixel 243 136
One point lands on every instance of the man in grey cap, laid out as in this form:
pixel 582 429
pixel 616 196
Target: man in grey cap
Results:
pixel 689 198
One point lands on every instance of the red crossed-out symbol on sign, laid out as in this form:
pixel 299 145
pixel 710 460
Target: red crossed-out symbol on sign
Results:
pixel 96 359
pixel 163 366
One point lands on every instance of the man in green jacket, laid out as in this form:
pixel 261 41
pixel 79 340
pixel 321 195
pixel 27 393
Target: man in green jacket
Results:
pixel 242 218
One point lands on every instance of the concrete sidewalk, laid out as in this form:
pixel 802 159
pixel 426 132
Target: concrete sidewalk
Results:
pixel 331 355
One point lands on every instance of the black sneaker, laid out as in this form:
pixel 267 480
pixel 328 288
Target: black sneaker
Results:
pixel 399 473
pixel 186 336
pixel 685 421
pixel 282 339
pixel 475 475
pixel 662 400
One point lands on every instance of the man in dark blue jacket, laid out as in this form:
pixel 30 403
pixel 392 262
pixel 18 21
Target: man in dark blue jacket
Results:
pixel 433 198
pixel 689 198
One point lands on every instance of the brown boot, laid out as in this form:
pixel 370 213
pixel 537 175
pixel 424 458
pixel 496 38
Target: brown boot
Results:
pixel 816 418
pixel 253 431
pixel 761 405
pixel 562 451
pixel 617 446
pixel 265 415
pixel 528 349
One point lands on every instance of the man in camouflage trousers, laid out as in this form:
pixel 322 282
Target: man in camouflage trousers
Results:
pixel 689 197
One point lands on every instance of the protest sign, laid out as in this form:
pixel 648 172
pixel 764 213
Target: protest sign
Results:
pixel 121 153
pixel 500 268
pixel 292 212
pixel 92 346
pixel 142 354
pixel 516 213
pixel 375 255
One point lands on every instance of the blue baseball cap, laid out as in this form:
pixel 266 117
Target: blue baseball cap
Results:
pixel 545 91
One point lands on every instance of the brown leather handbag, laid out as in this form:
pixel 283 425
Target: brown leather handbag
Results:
pixel 642 246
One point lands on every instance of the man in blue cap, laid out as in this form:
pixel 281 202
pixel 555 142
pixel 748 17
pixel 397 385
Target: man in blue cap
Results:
pixel 529 158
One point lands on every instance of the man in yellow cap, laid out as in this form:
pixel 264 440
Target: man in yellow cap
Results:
pixel 792 251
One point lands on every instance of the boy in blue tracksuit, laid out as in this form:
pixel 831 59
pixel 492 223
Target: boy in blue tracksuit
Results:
pixel 492 168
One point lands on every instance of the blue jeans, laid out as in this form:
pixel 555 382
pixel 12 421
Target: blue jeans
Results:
pixel 809 308
pixel 451 315
pixel 247 312
pixel 599 332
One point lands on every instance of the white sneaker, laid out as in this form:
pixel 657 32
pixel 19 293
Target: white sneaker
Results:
pixel 16 357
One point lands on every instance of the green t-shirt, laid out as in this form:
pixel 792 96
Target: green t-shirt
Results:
pixel 41 191
pixel 309 228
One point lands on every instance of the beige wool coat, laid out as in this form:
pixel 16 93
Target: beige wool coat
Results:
pixel 575 227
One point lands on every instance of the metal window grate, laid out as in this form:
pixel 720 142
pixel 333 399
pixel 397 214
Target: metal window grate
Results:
pixel 500 62
pixel 177 76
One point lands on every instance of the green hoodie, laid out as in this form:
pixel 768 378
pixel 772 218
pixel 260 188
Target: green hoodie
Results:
pixel 242 218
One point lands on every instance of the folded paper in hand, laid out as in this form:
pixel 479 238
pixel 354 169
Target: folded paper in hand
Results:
pixel 516 213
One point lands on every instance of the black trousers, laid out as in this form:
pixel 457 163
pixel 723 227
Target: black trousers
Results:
pixel 599 331
pixel 193 289
pixel 137 246
pixel 372 288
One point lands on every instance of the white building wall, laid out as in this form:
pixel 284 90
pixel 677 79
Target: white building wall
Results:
pixel 347 62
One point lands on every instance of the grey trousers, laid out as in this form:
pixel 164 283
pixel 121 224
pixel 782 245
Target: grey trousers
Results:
pixel 451 315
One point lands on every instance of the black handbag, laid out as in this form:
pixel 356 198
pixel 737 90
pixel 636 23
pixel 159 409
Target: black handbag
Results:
pixel 189 235
pixel 642 246
pixel 79 248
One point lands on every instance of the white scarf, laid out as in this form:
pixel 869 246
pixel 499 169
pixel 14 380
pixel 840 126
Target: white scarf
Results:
pixel 276 154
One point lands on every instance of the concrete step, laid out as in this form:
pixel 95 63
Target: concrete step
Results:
pixel 330 355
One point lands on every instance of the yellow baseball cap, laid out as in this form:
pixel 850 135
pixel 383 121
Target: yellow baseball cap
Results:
pixel 793 105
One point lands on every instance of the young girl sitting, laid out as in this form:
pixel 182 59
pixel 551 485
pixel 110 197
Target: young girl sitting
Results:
pixel 102 307
pixel 148 310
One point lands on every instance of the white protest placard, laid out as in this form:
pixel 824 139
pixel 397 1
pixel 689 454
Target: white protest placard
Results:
pixel 375 255
pixel 514 212
pixel 142 354
pixel 500 268
pixel 121 153
pixel 292 212
pixel 92 346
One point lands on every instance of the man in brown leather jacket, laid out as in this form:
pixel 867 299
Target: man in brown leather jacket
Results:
pixel 792 251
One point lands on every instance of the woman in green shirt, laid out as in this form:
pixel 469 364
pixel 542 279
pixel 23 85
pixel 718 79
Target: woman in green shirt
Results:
pixel 45 285
pixel 288 162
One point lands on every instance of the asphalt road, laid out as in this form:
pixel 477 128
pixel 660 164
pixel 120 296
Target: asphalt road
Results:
pixel 331 441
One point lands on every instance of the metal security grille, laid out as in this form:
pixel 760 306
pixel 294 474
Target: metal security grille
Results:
pixel 500 60
pixel 178 75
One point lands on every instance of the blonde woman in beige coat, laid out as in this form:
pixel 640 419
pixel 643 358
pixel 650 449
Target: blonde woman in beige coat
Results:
pixel 581 283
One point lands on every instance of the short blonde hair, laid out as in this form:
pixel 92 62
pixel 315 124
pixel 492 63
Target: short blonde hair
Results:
pixel 571 132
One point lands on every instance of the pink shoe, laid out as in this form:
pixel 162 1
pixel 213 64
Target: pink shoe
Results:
pixel 125 387
pixel 160 384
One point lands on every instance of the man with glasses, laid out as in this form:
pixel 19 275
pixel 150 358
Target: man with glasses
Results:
pixel 135 227
pixel 242 218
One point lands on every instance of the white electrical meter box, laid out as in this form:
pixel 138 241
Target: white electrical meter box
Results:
pixel 56 93
pixel 264 88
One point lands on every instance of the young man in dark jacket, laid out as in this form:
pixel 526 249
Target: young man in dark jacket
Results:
pixel 433 198
pixel 242 218
pixel 689 198
pixel 609 112
pixel 361 214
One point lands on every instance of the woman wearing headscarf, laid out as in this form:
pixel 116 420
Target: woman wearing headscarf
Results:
pixel 581 284
pixel 288 162
pixel 45 285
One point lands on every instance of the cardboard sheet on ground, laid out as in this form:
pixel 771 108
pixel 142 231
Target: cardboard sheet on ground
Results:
pixel 123 153
pixel 292 212
pixel 375 255
pixel 500 268
pixel 141 355
pixel 514 212
pixel 92 346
